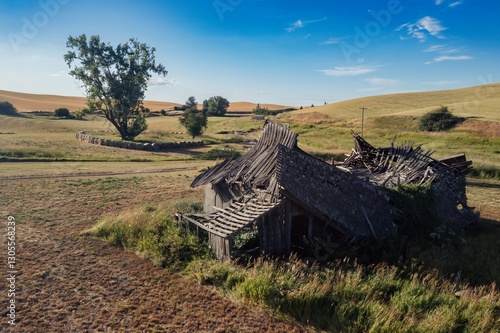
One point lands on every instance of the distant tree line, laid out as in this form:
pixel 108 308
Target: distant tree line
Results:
pixel 266 112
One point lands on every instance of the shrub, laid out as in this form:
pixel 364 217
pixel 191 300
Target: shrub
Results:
pixel 180 107
pixel 7 109
pixel 80 114
pixel 214 154
pixel 153 234
pixel 438 120
pixel 62 113
pixel 416 201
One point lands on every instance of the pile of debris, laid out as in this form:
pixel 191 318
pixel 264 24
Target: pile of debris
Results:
pixel 405 164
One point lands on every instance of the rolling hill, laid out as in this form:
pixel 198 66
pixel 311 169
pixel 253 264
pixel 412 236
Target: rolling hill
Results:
pixel 481 102
pixel 26 102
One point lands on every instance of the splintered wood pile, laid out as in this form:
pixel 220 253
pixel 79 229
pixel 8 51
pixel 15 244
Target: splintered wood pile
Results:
pixel 405 164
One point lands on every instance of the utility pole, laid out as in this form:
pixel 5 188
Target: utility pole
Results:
pixel 362 119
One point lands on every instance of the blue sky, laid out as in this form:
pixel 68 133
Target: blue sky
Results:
pixel 286 52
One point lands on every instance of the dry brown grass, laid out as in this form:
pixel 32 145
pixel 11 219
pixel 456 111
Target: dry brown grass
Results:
pixel 482 102
pixel 485 128
pixel 73 283
pixel 248 106
pixel 308 118
pixel 26 102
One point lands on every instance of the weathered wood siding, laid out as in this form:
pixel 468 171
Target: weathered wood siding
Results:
pixel 355 206
pixel 221 247
pixel 218 197
pixel 273 229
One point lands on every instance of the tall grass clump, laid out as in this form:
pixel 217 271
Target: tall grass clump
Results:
pixel 347 297
pixel 152 233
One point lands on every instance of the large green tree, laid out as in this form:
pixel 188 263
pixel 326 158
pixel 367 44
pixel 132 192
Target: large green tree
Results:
pixel 115 79
pixel 216 106
pixel 194 121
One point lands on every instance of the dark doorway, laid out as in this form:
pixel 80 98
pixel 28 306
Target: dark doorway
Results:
pixel 299 232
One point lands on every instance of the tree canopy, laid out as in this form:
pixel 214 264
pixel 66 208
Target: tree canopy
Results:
pixel 215 106
pixel 6 108
pixel 194 121
pixel 115 79
pixel 191 102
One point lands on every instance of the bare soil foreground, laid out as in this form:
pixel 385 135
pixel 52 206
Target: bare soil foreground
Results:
pixel 67 282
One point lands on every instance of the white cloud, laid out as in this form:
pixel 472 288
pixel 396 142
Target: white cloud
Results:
pixel 330 41
pixel 454 4
pixel 296 25
pixel 376 81
pixel 422 28
pixel 443 49
pixel 301 24
pixel 347 71
pixel 449 58
pixel 161 81
pixel 454 58
pixel 432 25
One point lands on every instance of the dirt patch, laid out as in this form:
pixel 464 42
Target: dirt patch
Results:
pixel 485 128
pixel 67 282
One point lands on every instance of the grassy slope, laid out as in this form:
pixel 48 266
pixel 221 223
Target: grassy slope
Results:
pixel 325 129
pixel 482 102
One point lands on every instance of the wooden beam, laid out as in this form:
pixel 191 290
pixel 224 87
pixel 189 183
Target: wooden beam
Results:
pixel 204 226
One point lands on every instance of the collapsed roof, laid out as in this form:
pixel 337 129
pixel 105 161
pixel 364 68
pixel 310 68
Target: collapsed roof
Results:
pixel 350 197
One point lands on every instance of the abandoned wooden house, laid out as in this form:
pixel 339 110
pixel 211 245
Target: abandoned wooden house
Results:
pixel 290 197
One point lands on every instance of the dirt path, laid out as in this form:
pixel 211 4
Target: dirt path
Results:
pixel 95 174
pixel 72 283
